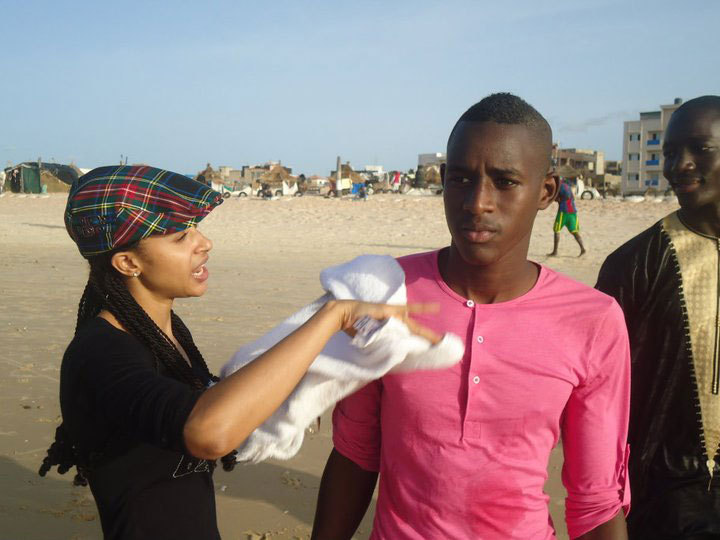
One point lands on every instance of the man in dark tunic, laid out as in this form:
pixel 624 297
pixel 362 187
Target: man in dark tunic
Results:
pixel 666 279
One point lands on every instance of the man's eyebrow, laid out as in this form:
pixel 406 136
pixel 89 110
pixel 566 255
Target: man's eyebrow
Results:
pixel 457 168
pixel 505 171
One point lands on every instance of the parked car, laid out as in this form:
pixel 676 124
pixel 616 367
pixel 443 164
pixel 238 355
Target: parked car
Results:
pixel 277 189
pixel 591 193
pixel 584 192
pixel 241 189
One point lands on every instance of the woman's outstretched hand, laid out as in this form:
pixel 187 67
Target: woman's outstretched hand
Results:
pixel 225 415
pixel 352 310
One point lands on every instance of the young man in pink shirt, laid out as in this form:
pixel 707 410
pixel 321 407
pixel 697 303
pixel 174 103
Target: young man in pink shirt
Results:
pixel 462 453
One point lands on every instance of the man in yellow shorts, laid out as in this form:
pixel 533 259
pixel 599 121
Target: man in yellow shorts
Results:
pixel 566 217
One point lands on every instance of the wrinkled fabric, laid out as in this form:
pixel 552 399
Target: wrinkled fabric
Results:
pixel 668 474
pixel 344 364
pixel 463 452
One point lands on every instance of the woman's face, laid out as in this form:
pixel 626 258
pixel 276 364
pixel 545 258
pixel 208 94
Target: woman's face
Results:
pixel 173 265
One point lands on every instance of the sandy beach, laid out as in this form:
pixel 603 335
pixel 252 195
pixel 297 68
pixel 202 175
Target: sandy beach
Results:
pixel 265 264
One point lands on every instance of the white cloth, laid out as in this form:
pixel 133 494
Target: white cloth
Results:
pixel 345 364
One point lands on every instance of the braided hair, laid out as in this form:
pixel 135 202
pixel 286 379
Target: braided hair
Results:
pixel 106 289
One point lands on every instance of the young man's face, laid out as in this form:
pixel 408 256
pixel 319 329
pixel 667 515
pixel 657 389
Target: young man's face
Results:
pixel 692 157
pixel 495 180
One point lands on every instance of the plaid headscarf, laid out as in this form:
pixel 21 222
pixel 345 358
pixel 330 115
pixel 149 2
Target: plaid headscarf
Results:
pixel 110 207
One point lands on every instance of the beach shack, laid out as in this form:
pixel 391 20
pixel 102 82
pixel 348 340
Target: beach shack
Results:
pixel 23 178
pixel 278 180
pixel 39 177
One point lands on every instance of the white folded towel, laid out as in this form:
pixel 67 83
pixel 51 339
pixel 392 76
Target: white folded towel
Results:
pixel 345 364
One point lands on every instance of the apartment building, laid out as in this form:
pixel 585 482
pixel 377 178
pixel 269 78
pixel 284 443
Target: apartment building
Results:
pixel 252 174
pixel 436 158
pixel 642 150
pixel 589 163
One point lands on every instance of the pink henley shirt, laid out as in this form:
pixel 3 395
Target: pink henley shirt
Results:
pixel 463 452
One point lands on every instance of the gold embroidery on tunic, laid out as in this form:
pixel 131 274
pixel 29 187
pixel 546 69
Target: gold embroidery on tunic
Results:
pixel 698 259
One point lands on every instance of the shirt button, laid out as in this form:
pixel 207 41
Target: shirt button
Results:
pixel 469 303
pixel 476 379
pixel 480 339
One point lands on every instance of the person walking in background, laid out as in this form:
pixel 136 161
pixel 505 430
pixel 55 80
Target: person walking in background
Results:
pixel 667 282
pixel 566 217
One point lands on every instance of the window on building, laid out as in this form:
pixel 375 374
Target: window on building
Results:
pixel 634 137
pixel 633 156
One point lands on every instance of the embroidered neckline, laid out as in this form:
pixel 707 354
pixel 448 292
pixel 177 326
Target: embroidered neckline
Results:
pixel 689 228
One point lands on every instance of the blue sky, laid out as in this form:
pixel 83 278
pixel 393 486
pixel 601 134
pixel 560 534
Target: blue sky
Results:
pixel 179 84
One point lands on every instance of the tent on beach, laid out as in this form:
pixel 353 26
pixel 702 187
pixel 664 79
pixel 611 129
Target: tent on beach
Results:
pixel 276 175
pixel 39 177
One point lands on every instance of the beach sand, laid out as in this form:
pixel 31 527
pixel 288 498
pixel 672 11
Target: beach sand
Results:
pixel 265 264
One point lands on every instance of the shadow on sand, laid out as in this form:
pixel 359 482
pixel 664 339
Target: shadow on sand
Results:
pixel 32 507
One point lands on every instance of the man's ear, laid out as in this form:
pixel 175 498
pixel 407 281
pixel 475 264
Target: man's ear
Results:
pixel 442 174
pixel 549 190
pixel 126 263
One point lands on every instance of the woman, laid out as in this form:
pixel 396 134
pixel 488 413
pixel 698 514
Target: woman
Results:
pixel 139 420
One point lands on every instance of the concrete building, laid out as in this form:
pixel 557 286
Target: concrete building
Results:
pixel 437 158
pixel 228 174
pixel 375 169
pixel 642 150
pixel 613 167
pixel 589 163
pixel 252 174
pixel 374 172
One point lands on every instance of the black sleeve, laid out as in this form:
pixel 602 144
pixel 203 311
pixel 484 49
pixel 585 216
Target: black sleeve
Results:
pixel 612 280
pixel 128 391
pixel 618 277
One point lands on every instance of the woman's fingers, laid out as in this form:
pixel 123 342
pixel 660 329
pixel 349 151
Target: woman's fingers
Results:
pixel 384 311
pixel 433 307
pixel 423 332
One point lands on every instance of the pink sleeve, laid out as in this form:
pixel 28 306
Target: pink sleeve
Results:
pixel 356 426
pixel 595 432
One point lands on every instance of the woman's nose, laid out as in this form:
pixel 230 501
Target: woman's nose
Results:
pixel 204 243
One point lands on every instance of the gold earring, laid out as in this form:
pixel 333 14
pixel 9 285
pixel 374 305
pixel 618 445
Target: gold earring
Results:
pixel 136 274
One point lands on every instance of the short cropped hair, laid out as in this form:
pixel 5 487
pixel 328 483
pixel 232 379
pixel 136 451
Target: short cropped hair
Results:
pixel 506 108
pixel 709 102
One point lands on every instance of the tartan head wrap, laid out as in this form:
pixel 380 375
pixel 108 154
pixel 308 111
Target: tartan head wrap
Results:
pixel 110 207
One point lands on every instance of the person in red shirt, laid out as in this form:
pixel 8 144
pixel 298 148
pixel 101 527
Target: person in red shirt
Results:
pixel 566 217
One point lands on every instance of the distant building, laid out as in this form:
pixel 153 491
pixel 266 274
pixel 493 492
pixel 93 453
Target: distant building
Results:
pixel 438 158
pixel 642 150
pixel 253 173
pixel 589 163
pixel 613 167
pixel 228 174
pixel 376 170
